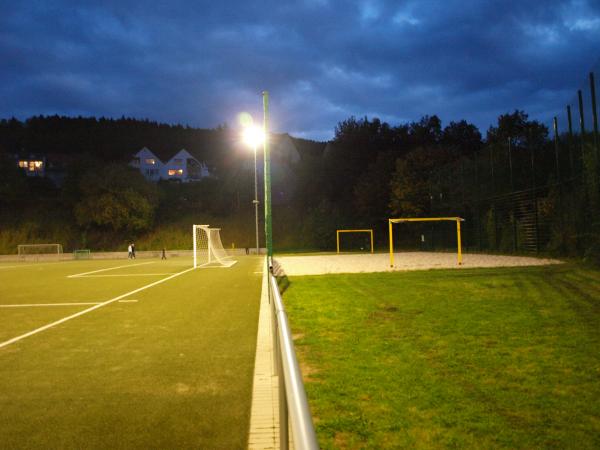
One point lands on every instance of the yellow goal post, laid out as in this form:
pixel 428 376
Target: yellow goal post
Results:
pixel 458 220
pixel 337 236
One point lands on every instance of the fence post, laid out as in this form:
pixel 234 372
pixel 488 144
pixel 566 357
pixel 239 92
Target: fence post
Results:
pixel 570 140
pixel 582 129
pixel 596 158
pixel 555 124
pixel 594 114
pixel 513 216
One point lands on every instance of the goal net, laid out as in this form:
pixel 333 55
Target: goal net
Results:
pixel 458 220
pixel 357 240
pixel 208 248
pixel 82 254
pixel 35 251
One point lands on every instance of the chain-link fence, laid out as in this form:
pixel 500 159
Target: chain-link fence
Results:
pixel 527 194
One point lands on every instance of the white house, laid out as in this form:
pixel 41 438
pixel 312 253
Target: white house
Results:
pixel 147 163
pixel 183 166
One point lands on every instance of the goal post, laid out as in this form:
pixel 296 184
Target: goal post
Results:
pixel 338 232
pixel 458 220
pixel 37 250
pixel 208 248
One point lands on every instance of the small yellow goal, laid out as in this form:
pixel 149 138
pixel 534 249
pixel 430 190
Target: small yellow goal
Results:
pixel 338 232
pixel 458 220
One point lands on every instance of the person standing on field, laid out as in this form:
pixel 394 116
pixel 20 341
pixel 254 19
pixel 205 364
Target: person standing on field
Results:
pixel 133 250
pixel 129 252
pixel 164 253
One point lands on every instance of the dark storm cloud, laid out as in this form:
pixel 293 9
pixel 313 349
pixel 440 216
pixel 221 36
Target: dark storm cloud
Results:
pixel 201 63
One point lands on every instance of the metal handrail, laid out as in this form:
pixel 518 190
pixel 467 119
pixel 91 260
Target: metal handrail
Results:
pixel 293 403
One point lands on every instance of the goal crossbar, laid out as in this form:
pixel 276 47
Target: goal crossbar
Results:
pixel 338 232
pixel 458 220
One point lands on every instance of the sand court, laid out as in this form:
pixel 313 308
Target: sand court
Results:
pixel 403 261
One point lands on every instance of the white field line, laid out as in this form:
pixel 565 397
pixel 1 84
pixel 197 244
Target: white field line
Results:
pixel 35 264
pixel 85 311
pixel 124 275
pixel 128 301
pixel 28 305
pixel 204 266
pixel 110 268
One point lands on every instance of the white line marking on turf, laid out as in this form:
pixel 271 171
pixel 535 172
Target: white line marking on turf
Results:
pixel 85 311
pixel 25 305
pixel 124 275
pixel 128 301
pixel 110 268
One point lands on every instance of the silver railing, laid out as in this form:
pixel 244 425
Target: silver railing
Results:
pixel 293 403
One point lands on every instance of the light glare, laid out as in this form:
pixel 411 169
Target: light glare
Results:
pixel 253 136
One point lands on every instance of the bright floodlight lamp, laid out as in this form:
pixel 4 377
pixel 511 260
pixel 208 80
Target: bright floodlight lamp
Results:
pixel 253 136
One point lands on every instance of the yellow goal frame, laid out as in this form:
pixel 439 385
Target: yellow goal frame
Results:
pixel 458 220
pixel 337 236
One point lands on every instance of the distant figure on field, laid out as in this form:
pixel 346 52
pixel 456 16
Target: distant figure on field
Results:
pixel 133 250
pixel 247 251
pixel 164 253
pixel 129 252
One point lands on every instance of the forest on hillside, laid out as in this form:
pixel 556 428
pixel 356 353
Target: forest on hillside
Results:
pixel 519 189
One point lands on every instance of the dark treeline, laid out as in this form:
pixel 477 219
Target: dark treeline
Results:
pixel 369 172
pixel 110 139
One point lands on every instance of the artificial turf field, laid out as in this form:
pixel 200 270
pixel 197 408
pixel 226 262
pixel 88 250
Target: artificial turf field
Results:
pixel 472 358
pixel 169 366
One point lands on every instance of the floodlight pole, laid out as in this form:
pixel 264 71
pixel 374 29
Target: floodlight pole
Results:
pixel 255 201
pixel 268 218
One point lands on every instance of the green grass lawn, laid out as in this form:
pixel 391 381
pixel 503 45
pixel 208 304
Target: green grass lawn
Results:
pixel 172 370
pixel 490 358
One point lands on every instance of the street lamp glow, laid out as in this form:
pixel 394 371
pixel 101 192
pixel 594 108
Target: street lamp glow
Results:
pixel 253 136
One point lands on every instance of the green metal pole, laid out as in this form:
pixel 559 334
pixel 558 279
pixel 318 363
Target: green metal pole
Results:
pixel 594 116
pixel 555 125
pixel 581 120
pixel 570 139
pixel 510 166
pixel 268 217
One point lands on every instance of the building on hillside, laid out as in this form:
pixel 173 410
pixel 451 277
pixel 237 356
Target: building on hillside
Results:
pixel 181 167
pixel 147 163
pixel 51 166
pixel 33 165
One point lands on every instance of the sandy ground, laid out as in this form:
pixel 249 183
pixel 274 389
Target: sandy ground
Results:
pixel 380 262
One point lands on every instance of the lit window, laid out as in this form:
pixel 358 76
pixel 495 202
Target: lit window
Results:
pixel 23 164
pixel 34 166
pixel 175 172
pixel 151 161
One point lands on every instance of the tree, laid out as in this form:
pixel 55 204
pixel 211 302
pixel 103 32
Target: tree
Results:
pixel 13 182
pixel 462 138
pixel 410 183
pixel 427 132
pixel 372 190
pixel 519 129
pixel 116 197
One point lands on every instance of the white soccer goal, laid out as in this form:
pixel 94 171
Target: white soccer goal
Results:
pixel 34 251
pixel 208 248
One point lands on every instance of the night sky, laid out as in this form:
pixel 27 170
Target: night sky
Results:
pixel 201 63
